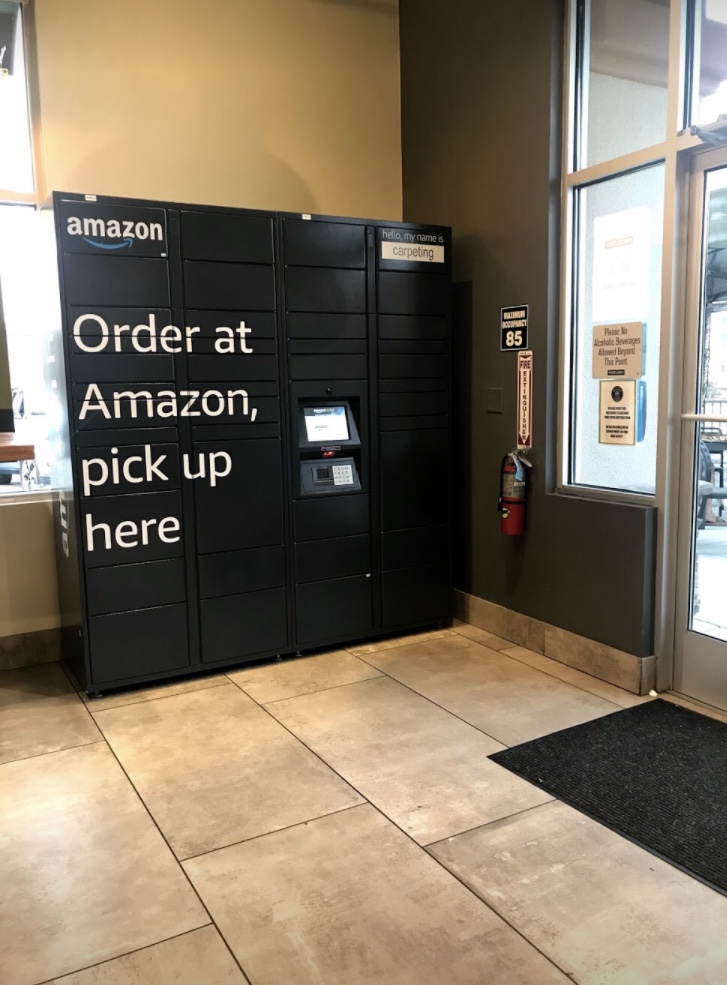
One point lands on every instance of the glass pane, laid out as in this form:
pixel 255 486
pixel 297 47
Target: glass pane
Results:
pixel 711 57
pixel 27 273
pixel 16 152
pixel 709 529
pixel 624 91
pixel 617 306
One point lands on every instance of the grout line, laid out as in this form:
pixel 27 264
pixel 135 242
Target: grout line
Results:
pixel 169 847
pixel 497 820
pixel 453 875
pixel 90 702
pixel 441 708
pixel 116 957
pixel 145 701
pixel 512 645
pixel 486 903
pixel 421 848
pixel 321 690
pixel 578 687
pixel 405 641
pixel 274 831
pixel 52 752
pixel 171 850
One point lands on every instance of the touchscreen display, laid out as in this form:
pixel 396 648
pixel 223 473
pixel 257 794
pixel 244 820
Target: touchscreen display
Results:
pixel 323 424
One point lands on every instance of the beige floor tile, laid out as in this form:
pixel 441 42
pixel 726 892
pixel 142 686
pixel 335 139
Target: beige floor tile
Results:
pixel 422 767
pixel 604 910
pixel 482 636
pixel 85 874
pixel 197 958
pixel 350 900
pixel 507 700
pixel 40 712
pixel 395 641
pixel 214 768
pixel 302 675
pixel 135 695
pixel 609 692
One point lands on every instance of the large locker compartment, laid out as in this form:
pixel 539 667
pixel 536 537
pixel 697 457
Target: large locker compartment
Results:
pixel 228 266
pixel 413 286
pixel 325 324
pixel 253 434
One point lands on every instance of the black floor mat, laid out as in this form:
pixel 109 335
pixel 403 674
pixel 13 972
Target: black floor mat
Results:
pixel 656 773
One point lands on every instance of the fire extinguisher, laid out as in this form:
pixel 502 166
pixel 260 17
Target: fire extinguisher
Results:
pixel 512 493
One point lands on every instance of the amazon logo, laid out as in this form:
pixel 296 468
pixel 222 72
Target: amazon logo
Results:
pixel 113 234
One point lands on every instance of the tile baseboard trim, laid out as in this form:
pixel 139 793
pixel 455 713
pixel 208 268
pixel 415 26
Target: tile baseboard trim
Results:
pixel 625 670
pixel 29 649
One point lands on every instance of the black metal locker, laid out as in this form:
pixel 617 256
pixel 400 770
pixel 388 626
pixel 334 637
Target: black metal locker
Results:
pixel 254 434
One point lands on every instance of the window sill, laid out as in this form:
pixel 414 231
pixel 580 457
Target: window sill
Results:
pixel 616 496
pixel 16 498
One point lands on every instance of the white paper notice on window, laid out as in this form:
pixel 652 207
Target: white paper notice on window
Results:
pixel 622 265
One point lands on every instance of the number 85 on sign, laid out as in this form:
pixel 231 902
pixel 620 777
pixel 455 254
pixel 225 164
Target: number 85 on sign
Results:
pixel 514 328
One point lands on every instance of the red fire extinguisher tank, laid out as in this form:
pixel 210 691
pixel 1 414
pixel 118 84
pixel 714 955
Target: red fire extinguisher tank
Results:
pixel 512 495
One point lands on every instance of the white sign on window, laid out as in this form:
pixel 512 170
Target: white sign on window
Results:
pixel 621 265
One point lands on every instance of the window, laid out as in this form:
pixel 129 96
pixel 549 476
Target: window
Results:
pixel 16 156
pixel 620 136
pixel 710 56
pixel 618 283
pixel 624 47
pixel 26 259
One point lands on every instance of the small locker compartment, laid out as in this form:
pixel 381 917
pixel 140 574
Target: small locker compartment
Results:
pixel 326 290
pixel 329 610
pixel 414 328
pixel 420 545
pixel 127 529
pixel 243 626
pixel 414 478
pixel 227 236
pixel 113 406
pixel 135 586
pixel 111 281
pixel 245 506
pixel 209 285
pixel 140 643
pixel 416 596
pixel 234 572
pixel 338 558
pixel 323 519
pixel 319 243
pixel 119 230
pixel 216 359
pixel 127 468
pixel 336 329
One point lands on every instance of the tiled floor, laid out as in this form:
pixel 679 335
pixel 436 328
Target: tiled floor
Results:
pixel 332 820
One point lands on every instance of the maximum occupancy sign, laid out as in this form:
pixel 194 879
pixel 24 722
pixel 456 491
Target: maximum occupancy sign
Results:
pixel 514 328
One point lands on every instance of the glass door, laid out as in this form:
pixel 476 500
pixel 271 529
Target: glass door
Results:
pixel 701 611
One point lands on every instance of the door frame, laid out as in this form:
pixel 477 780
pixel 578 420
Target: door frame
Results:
pixel 679 518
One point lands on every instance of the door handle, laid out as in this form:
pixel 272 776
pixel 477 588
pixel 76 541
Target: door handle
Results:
pixel 704 417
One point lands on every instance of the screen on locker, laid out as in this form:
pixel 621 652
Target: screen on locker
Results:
pixel 323 424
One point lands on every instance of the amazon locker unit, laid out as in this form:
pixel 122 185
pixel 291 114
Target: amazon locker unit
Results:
pixel 252 434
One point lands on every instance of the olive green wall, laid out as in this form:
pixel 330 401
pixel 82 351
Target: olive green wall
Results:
pixel 481 108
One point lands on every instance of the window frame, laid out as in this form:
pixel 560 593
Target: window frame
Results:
pixel 38 195
pixel 674 152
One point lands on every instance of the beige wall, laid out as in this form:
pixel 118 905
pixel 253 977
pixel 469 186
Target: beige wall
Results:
pixel 28 586
pixel 275 104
